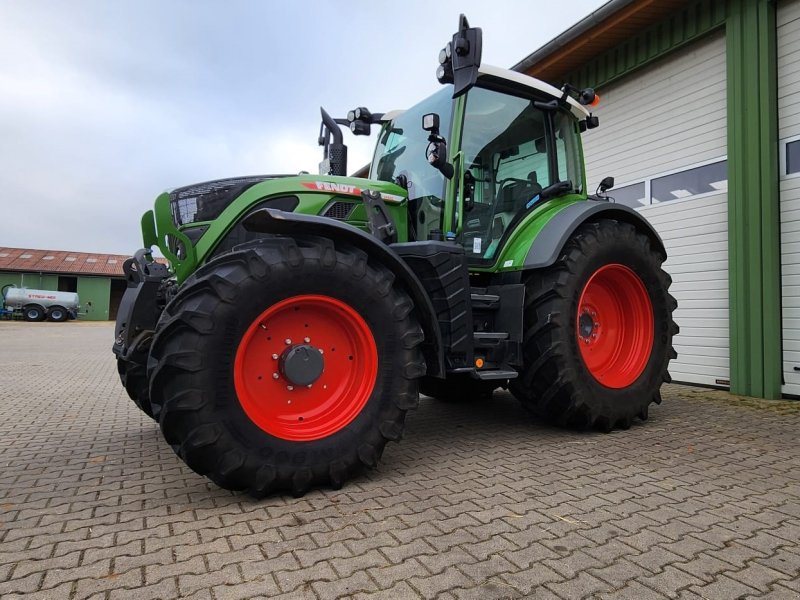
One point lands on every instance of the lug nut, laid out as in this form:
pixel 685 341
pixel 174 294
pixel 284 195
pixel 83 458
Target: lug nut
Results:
pixel 274 357
pixel 275 376
pixel 290 387
pixel 288 341
pixel 309 386
pixel 306 339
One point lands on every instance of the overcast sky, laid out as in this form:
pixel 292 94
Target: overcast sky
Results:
pixel 103 105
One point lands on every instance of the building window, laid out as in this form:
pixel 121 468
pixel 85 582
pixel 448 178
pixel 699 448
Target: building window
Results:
pixel 633 195
pixel 793 157
pixel 691 182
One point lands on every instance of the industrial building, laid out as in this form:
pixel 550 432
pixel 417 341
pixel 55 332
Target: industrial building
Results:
pixel 97 278
pixel 700 126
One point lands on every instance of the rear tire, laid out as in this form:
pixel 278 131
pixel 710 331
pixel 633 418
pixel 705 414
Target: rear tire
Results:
pixel 567 351
pixel 57 314
pixel 33 312
pixel 234 421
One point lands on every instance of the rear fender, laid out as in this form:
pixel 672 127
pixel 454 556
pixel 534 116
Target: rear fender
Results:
pixel 270 221
pixel 547 246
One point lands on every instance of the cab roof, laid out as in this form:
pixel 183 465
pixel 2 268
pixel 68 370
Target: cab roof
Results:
pixel 490 71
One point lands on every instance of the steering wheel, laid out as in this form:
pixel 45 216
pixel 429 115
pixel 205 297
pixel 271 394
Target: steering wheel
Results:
pixel 511 180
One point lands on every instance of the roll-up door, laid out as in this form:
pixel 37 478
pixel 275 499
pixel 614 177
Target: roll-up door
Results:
pixel 662 136
pixel 788 18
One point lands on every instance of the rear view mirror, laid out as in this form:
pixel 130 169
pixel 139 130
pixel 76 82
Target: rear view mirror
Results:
pixel 460 60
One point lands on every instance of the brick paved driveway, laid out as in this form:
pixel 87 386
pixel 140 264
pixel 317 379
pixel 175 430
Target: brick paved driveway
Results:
pixel 476 502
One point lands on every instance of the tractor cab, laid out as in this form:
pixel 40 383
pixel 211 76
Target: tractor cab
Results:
pixel 510 151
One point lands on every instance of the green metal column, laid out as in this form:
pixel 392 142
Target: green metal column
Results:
pixel 753 200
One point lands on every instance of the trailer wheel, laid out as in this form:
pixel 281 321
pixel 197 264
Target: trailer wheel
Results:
pixel 134 379
pixel 33 312
pixel 285 364
pixel 457 388
pixel 598 330
pixel 57 314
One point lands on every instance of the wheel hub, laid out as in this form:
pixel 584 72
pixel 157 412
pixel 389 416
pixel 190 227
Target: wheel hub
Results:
pixel 302 364
pixel 586 325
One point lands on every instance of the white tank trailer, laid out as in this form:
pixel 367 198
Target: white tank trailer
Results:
pixel 38 305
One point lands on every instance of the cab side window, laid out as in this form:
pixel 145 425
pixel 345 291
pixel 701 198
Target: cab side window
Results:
pixel 505 150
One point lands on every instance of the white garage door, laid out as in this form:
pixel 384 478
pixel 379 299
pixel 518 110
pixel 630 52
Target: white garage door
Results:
pixel 789 140
pixel 662 136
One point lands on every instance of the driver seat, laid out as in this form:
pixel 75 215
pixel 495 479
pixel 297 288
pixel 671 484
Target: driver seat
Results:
pixel 514 197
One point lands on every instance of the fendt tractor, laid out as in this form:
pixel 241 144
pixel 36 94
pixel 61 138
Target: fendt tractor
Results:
pixel 300 316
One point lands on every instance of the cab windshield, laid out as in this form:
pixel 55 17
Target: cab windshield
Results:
pixel 401 151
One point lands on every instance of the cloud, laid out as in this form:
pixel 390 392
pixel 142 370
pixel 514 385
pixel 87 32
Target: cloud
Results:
pixel 106 104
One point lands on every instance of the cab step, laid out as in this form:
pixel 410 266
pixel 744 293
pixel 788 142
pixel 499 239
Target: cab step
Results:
pixel 495 374
pixel 483 301
pixel 487 339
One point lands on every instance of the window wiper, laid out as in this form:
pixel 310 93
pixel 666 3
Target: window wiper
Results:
pixel 551 191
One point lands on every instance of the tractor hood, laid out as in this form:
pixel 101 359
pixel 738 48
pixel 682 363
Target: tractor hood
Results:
pixel 188 222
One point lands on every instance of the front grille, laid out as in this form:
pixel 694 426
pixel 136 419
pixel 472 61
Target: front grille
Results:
pixel 205 201
pixel 339 210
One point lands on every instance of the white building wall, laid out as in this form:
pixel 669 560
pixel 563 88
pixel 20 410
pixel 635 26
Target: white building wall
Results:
pixel 788 19
pixel 659 120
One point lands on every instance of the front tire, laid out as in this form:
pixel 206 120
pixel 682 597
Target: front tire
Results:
pixel 236 413
pixel 598 330
pixel 134 379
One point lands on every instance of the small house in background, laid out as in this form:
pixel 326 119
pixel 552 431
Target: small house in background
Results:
pixel 97 278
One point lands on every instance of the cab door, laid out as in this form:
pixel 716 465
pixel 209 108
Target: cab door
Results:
pixel 509 151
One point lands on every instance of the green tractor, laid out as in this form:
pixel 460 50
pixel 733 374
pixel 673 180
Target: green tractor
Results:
pixel 299 317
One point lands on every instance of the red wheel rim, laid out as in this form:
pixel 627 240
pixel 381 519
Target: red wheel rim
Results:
pixel 614 326
pixel 299 412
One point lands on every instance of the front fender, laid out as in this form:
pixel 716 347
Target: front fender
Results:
pixel 271 221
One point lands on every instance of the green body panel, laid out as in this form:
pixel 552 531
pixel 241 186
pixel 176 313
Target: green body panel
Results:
pixel 753 199
pixel 312 202
pixel 452 194
pixel 149 229
pixel 513 253
pixel 94 294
